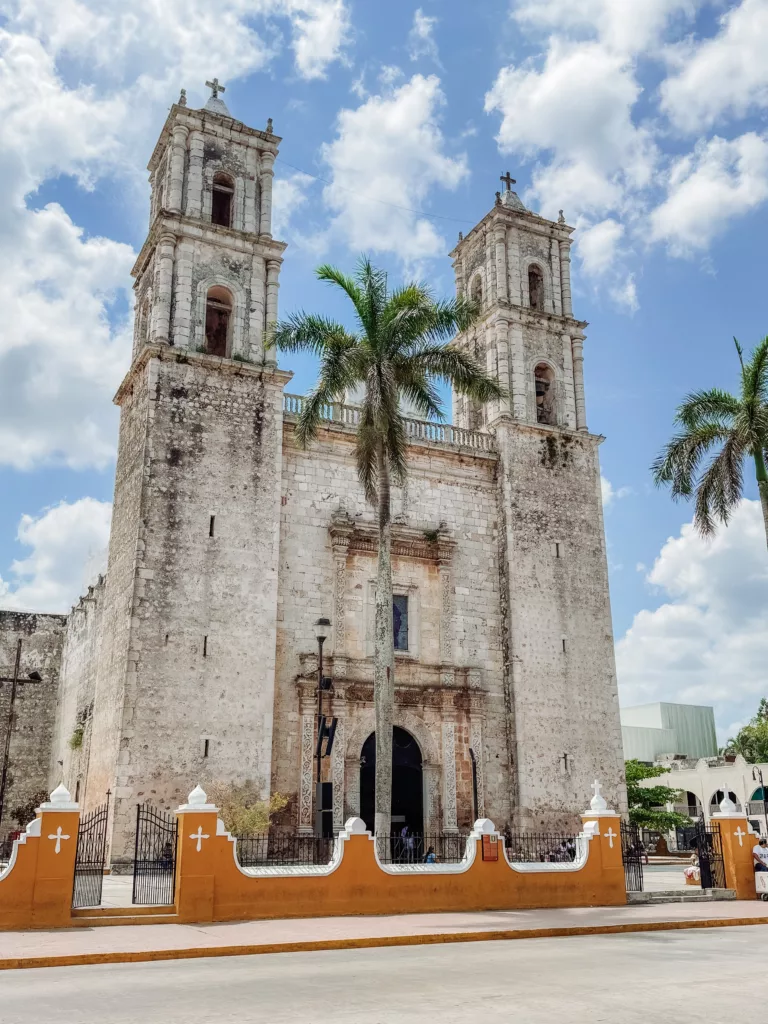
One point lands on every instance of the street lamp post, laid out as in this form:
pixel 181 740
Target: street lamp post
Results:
pixel 13 680
pixel 322 629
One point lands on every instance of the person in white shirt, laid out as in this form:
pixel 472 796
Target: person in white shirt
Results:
pixel 760 855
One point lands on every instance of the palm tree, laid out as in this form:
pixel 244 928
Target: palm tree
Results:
pixel 738 427
pixel 398 350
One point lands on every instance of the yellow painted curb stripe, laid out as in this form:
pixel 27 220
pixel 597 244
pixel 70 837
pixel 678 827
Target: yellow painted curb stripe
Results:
pixel 367 942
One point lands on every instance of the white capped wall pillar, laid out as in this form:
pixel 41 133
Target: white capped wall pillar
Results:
pixel 195 175
pixel 578 382
pixel 178 151
pixel 565 277
pixel 161 318
pixel 265 182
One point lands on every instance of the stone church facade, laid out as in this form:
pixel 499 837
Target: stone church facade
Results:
pixel 194 659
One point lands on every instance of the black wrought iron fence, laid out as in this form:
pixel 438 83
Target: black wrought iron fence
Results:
pixel 525 847
pixel 154 864
pixel 90 857
pixel 422 849
pixel 283 849
pixel 7 838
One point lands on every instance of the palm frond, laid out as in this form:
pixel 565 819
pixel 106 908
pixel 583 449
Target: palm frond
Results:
pixel 460 370
pixel 679 460
pixel 720 488
pixel 706 405
pixel 366 445
pixel 418 389
pixel 397 449
pixel 755 375
pixel 307 332
pixel 339 372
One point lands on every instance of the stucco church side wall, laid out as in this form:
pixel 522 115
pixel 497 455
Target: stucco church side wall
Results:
pixel 200 700
pixel 31 739
pixel 561 644
pixel 77 689
pixel 443 486
pixel 125 545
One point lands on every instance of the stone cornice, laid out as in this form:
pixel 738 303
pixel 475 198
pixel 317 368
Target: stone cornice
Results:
pixel 503 215
pixel 358 537
pixel 244 242
pixel 527 317
pixel 232 367
pixel 212 124
pixel 543 429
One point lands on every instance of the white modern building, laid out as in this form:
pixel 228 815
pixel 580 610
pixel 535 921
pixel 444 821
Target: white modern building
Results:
pixel 665 732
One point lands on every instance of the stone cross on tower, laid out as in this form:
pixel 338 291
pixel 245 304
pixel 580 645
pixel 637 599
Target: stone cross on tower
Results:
pixel 507 179
pixel 215 88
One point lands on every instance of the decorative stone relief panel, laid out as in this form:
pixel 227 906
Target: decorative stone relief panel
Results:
pixel 337 776
pixel 307 761
pixel 449 778
pixel 476 743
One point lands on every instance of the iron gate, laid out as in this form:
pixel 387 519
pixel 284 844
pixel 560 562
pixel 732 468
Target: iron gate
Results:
pixel 709 846
pixel 154 864
pixel 90 858
pixel 632 857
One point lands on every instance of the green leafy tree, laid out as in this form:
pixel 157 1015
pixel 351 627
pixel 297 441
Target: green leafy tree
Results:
pixel 398 349
pixel 738 426
pixel 752 741
pixel 241 808
pixel 25 812
pixel 642 800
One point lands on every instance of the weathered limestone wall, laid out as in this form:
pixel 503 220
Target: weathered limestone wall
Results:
pixel 30 766
pixel 198 702
pixel 454 635
pixel 77 689
pixel 559 632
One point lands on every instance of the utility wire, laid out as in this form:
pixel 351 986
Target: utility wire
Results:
pixel 371 199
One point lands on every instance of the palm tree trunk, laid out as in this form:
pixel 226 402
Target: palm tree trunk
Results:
pixel 762 486
pixel 384 658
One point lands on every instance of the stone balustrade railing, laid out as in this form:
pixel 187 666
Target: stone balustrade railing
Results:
pixel 419 431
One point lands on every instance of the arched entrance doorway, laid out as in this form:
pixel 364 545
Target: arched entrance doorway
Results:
pixel 407 785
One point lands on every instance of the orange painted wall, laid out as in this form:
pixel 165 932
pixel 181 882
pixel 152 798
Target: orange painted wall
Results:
pixel 212 888
pixel 37 891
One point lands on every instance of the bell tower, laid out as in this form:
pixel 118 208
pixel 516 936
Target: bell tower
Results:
pixel 563 726
pixel 185 680
pixel 207 275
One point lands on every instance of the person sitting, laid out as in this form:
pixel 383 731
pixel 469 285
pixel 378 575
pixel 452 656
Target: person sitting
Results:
pixel 760 855
pixel 430 856
pixel 693 871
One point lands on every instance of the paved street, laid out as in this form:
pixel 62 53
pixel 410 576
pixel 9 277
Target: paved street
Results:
pixel 590 979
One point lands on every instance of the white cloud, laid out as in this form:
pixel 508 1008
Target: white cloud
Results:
pixel 727 74
pixel 624 294
pixel 321 29
pixel 629 26
pixel 707 643
pixel 68 545
pixel 720 180
pixel 610 493
pixel 598 243
pixel 390 150
pixel 421 41
pixel 577 111
pixel 288 196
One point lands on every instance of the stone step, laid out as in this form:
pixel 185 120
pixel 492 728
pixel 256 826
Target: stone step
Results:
pixel 681 896
pixel 91 920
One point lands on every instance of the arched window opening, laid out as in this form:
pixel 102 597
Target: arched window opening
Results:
pixel 544 381
pixel 218 314
pixel 476 292
pixel 535 288
pixel 717 799
pixel 221 204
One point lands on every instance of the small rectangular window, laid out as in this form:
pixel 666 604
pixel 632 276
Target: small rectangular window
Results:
pixel 557 549
pixel 205 748
pixel 400 622
pixel 211 525
pixel 563 645
pixel 205 646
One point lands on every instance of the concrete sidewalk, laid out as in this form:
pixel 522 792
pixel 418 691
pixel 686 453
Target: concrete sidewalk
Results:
pixel 134 943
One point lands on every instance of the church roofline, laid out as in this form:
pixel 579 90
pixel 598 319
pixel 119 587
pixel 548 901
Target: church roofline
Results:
pixel 212 124
pixel 531 221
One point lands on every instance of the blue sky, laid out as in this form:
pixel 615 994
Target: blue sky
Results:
pixel 643 119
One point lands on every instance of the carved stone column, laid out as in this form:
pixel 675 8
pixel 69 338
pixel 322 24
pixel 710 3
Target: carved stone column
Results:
pixel 352 783
pixel 431 778
pixel 161 326
pixel 445 549
pixel 557 296
pixel 257 314
pixel 338 766
pixel 577 346
pixel 450 824
pixel 476 709
pixel 505 376
pixel 568 389
pixel 501 263
pixel 341 530
pixel 265 181
pixel 273 270
pixel 306 774
pixel 565 277
pixel 195 175
pixel 518 378
pixel 178 152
